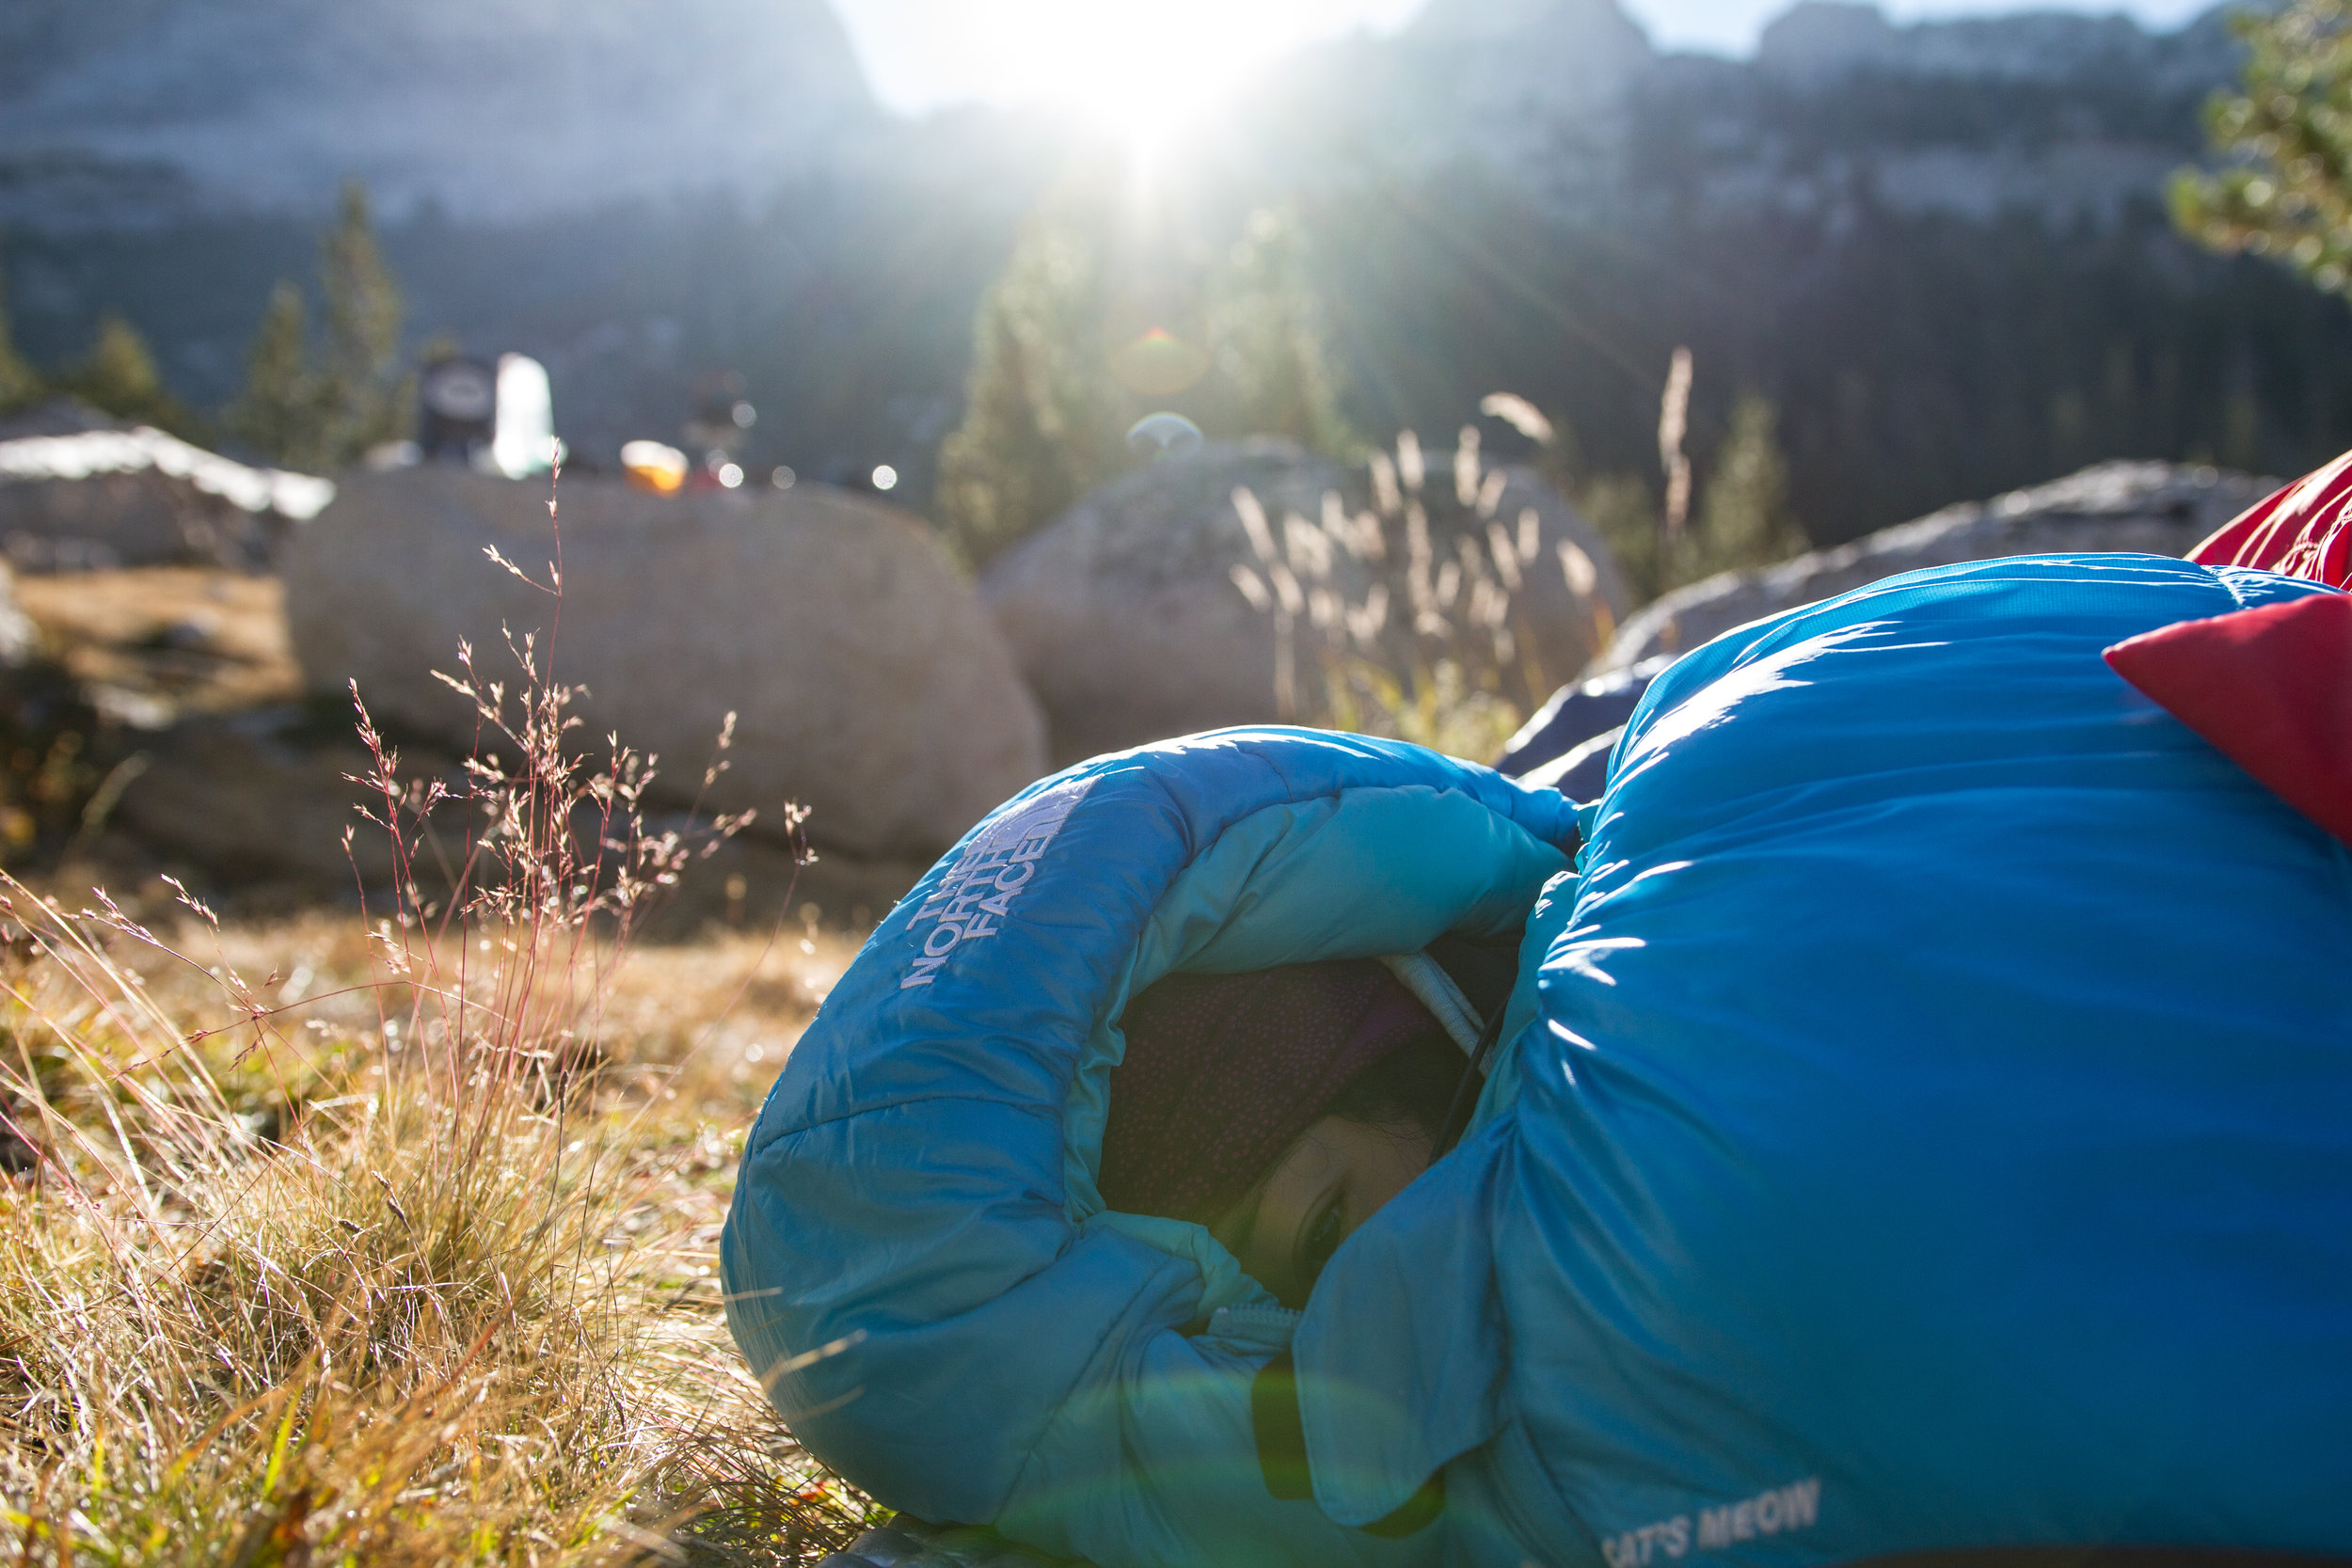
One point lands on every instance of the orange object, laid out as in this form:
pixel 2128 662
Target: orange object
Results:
pixel 652 465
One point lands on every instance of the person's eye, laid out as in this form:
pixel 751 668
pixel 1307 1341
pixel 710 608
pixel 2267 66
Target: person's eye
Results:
pixel 1323 1239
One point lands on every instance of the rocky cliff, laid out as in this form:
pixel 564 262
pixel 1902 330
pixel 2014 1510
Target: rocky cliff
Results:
pixel 2059 113
pixel 117 112
pixel 139 112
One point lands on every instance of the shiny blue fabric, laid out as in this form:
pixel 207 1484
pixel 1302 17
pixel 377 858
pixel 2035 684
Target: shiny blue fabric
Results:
pixel 917 1263
pixel 1926 1122
pixel 1934 1130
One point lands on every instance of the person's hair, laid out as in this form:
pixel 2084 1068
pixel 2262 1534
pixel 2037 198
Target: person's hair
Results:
pixel 1409 1090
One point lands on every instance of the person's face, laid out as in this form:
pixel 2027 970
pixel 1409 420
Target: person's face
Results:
pixel 1326 1184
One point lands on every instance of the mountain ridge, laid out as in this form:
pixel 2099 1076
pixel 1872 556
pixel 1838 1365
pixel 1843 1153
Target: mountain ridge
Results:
pixel 131 113
pixel 493 110
pixel 1940 250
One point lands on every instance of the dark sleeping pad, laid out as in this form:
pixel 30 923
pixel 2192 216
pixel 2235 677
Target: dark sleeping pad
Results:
pixel 1566 746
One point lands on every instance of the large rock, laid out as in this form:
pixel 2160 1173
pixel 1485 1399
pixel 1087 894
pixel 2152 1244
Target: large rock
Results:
pixel 2151 508
pixel 256 803
pixel 1125 617
pixel 96 498
pixel 249 801
pixel 869 682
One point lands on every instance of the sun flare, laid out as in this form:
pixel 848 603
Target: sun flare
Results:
pixel 1137 68
pixel 1142 69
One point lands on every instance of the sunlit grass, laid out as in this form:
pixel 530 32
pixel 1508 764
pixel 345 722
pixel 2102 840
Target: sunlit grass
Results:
pixel 340 1291
pixel 393 1239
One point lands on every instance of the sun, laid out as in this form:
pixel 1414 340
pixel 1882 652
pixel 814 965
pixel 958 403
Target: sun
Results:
pixel 1143 71
pixel 1137 69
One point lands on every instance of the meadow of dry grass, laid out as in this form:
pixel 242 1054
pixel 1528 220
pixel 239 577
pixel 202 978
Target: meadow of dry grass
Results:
pixel 202 638
pixel 390 1236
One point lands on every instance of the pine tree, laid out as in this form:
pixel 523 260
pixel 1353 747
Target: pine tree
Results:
pixel 327 414
pixel 1625 510
pixel 119 374
pixel 1744 518
pixel 278 413
pixel 2281 189
pixel 21 386
pixel 1042 421
pixel 1270 343
pixel 1071 337
pixel 119 377
pixel 361 394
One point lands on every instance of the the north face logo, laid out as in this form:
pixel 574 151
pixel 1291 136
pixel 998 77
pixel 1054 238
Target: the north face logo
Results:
pixel 979 889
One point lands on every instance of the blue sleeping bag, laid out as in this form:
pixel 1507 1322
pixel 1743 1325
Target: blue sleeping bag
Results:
pixel 1925 1121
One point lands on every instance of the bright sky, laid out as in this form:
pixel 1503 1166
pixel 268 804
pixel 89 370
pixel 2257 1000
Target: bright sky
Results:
pixel 1141 64
pixel 1137 64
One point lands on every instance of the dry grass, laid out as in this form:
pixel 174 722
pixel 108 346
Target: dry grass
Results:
pixel 393 1241
pixel 202 639
pixel 1459 674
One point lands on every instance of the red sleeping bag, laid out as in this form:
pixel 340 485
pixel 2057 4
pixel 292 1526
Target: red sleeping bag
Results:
pixel 2271 689
pixel 2304 530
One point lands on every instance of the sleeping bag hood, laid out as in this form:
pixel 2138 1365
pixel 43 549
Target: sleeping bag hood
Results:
pixel 1921 1122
